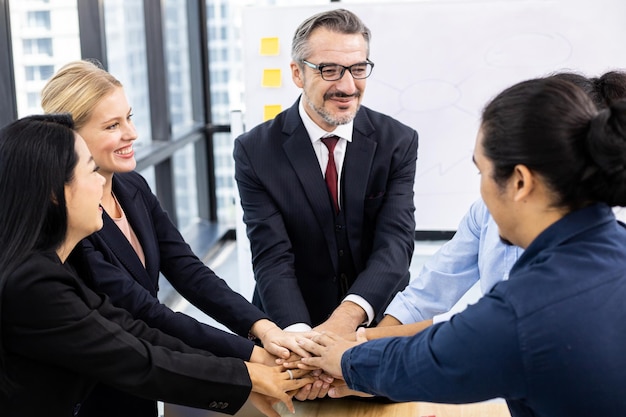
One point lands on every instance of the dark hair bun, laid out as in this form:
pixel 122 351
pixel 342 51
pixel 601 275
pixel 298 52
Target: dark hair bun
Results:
pixel 606 147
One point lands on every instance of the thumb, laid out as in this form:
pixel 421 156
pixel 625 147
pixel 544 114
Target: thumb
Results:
pixel 286 399
pixel 277 350
pixel 342 390
pixel 360 335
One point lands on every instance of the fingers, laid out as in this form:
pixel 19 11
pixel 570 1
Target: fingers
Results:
pixel 277 350
pixel 290 365
pixel 292 358
pixel 314 362
pixel 283 342
pixel 297 349
pixel 326 377
pixel 295 363
pixel 342 390
pixel 286 348
pixel 264 404
pixel 314 345
pixel 291 343
pixel 295 379
pixel 318 390
pixel 360 335
pixel 293 384
pixel 287 401
pixel 295 373
pixel 302 366
pixel 303 393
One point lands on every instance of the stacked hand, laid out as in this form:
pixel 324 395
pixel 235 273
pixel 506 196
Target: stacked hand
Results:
pixel 312 359
pixel 281 343
pixel 328 348
pixel 271 384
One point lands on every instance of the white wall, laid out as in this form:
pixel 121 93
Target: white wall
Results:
pixel 437 64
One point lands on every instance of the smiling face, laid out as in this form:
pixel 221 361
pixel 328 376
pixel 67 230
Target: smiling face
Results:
pixel 110 133
pixel 331 103
pixel 83 195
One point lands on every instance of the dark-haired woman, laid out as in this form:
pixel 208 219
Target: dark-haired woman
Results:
pixel 551 339
pixel 138 243
pixel 59 337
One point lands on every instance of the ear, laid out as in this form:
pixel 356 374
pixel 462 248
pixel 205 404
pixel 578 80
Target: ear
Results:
pixel 296 74
pixel 523 182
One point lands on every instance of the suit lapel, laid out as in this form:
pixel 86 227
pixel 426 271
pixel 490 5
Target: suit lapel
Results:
pixel 135 210
pixel 301 155
pixel 357 166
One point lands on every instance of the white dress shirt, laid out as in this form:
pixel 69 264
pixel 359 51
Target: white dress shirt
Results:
pixel 316 133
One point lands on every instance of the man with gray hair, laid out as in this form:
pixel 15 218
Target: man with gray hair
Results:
pixel 327 189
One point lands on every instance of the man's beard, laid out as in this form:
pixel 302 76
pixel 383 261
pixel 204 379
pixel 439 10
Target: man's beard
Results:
pixel 328 117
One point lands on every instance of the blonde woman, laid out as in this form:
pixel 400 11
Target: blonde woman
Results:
pixel 138 242
pixel 59 337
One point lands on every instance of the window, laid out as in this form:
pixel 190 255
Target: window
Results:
pixel 186 188
pixel 178 66
pixel 39 46
pixel 42 41
pixel 32 99
pixel 38 19
pixel 38 72
pixel 126 55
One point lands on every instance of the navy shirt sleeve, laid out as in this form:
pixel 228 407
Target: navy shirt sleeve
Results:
pixel 473 357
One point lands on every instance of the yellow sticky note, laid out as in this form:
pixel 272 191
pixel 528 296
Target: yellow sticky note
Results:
pixel 271 78
pixel 270 111
pixel 269 46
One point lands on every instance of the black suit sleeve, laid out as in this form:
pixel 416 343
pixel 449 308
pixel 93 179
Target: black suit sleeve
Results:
pixel 188 275
pixel 193 279
pixel 273 255
pixel 51 318
pixel 127 293
pixel 391 221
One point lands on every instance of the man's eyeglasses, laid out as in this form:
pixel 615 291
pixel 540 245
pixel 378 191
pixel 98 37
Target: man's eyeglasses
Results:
pixel 334 72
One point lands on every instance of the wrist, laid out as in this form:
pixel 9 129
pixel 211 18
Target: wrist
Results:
pixel 261 328
pixel 260 355
pixel 349 311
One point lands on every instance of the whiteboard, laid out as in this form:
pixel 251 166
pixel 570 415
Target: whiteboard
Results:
pixel 437 64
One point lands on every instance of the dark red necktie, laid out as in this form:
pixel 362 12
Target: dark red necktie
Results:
pixel 331 169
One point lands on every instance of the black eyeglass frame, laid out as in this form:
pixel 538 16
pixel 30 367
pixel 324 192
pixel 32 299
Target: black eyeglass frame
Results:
pixel 321 67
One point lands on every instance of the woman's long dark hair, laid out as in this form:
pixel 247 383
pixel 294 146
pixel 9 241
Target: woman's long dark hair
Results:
pixel 37 159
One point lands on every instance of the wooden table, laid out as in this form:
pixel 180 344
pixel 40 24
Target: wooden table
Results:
pixel 354 408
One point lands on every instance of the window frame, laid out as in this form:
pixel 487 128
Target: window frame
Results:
pixel 160 152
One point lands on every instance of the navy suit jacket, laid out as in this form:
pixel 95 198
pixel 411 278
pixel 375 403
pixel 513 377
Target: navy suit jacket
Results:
pixel 117 271
pixel 290 220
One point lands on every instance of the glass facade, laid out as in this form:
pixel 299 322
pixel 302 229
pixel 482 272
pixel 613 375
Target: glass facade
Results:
pixel 176 38
pixel 126 58
pixel 44 37
pixel 184 151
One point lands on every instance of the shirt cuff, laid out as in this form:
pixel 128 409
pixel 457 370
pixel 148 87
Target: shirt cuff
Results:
pixel 298 327
pixel 403 310
pixel 367 307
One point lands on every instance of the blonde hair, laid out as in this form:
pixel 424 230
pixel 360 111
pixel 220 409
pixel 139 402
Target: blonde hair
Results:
pixel 76 89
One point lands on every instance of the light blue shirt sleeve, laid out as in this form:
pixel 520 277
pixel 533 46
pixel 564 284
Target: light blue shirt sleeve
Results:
pixel 474 253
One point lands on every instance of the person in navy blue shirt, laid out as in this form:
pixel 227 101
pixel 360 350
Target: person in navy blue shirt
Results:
pixel 549 340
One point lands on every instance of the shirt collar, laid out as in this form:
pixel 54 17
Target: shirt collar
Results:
pixel 567 228
pixel 315 132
